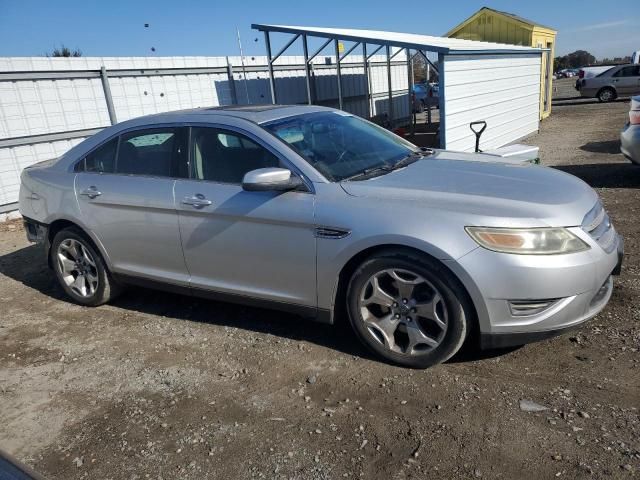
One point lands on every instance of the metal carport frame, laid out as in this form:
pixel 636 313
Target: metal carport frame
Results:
pixel 444 47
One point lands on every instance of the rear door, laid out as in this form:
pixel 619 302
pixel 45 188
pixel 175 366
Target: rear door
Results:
pixel 247 244
pixel 627 80
pixel 125 192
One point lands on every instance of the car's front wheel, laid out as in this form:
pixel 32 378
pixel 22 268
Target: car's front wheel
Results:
pixel 80 269
pixel 408 308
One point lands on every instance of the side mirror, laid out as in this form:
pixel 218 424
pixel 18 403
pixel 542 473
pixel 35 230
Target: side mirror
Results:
pixel 271 179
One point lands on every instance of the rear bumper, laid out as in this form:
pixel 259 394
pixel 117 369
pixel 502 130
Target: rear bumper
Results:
pixel 588 92
pixel 37 232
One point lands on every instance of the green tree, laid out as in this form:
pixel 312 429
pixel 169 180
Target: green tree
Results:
pixel 63 51
pixel 579 58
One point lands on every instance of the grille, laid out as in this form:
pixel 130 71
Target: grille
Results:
pixel 597 224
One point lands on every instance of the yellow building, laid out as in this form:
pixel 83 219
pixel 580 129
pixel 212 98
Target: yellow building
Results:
pixel 490 25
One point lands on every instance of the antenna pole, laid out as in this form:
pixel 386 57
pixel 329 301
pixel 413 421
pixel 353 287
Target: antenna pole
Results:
pixel 244 71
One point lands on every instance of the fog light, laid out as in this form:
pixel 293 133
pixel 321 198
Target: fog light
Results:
pixel 602 293
pixel 525 308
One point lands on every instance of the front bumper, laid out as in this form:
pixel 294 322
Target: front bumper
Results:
pixel 577 287
pixel 501 340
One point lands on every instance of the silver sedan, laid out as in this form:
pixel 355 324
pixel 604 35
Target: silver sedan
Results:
pixel 318 212
pixel 630 135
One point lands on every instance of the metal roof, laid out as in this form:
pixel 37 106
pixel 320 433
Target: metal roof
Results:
pixel 404 40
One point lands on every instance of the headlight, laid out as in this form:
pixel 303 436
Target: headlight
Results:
pixel 528 241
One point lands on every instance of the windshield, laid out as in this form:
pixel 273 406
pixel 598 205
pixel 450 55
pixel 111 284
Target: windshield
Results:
pixel 340 145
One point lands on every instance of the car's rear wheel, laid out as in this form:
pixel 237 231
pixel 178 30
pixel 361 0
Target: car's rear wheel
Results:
pixel 408 308
pixel 606 95
pixel 80 269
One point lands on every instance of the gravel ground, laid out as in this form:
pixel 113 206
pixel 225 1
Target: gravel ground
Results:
pixel 163 386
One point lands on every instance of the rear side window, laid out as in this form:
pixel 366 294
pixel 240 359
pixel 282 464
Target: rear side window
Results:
pixel 101 160
pixel 158 152
pixel 632 71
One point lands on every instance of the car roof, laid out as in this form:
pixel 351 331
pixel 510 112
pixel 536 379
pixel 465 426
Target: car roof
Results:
pixel 257 114
pixel 253 113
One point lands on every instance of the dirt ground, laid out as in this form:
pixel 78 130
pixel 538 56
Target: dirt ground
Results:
pixel 164 386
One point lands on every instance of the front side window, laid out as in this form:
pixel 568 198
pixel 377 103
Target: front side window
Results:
pixel 341 145
pixel 225 157
pixel 157 152
pixel 101 160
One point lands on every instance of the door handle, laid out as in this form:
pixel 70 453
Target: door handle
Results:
pixel 196 201
pixel 91 192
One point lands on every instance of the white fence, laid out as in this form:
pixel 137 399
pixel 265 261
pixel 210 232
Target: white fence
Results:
pixel 47 105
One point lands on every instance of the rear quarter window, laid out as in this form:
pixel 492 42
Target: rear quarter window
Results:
pixel 101 160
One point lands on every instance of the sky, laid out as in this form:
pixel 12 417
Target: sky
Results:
pixel 189 27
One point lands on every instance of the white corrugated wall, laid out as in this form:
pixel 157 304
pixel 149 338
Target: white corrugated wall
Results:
pixel 503 90
pixel 35 107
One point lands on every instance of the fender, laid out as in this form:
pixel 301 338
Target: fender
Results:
pixel 82 226
pixel 332 262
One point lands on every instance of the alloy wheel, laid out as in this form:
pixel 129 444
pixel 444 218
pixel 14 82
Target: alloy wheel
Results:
pixel 77 267
pixel 606 95
pixel 403 311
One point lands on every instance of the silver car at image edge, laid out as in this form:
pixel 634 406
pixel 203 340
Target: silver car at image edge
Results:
pixel 630 135
pixel 321 213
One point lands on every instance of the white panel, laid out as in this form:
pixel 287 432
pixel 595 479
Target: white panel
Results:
pixel 14 159
pixel 502 90
pixel 47 106
pixel 53 106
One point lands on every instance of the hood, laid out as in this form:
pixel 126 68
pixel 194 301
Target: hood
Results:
pixel 531 195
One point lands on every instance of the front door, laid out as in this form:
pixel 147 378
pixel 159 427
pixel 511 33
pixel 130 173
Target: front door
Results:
pixel 253 244
pixel 125 193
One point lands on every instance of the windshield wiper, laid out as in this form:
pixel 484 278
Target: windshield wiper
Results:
pixel 382 169
pixel 369 172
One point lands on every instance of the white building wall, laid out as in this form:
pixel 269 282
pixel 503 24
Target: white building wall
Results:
pixel 503 90
pixel 14 159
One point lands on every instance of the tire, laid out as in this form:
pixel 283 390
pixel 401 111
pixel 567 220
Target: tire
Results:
pixel 73 253
pixel 606 95
pixel 435 291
